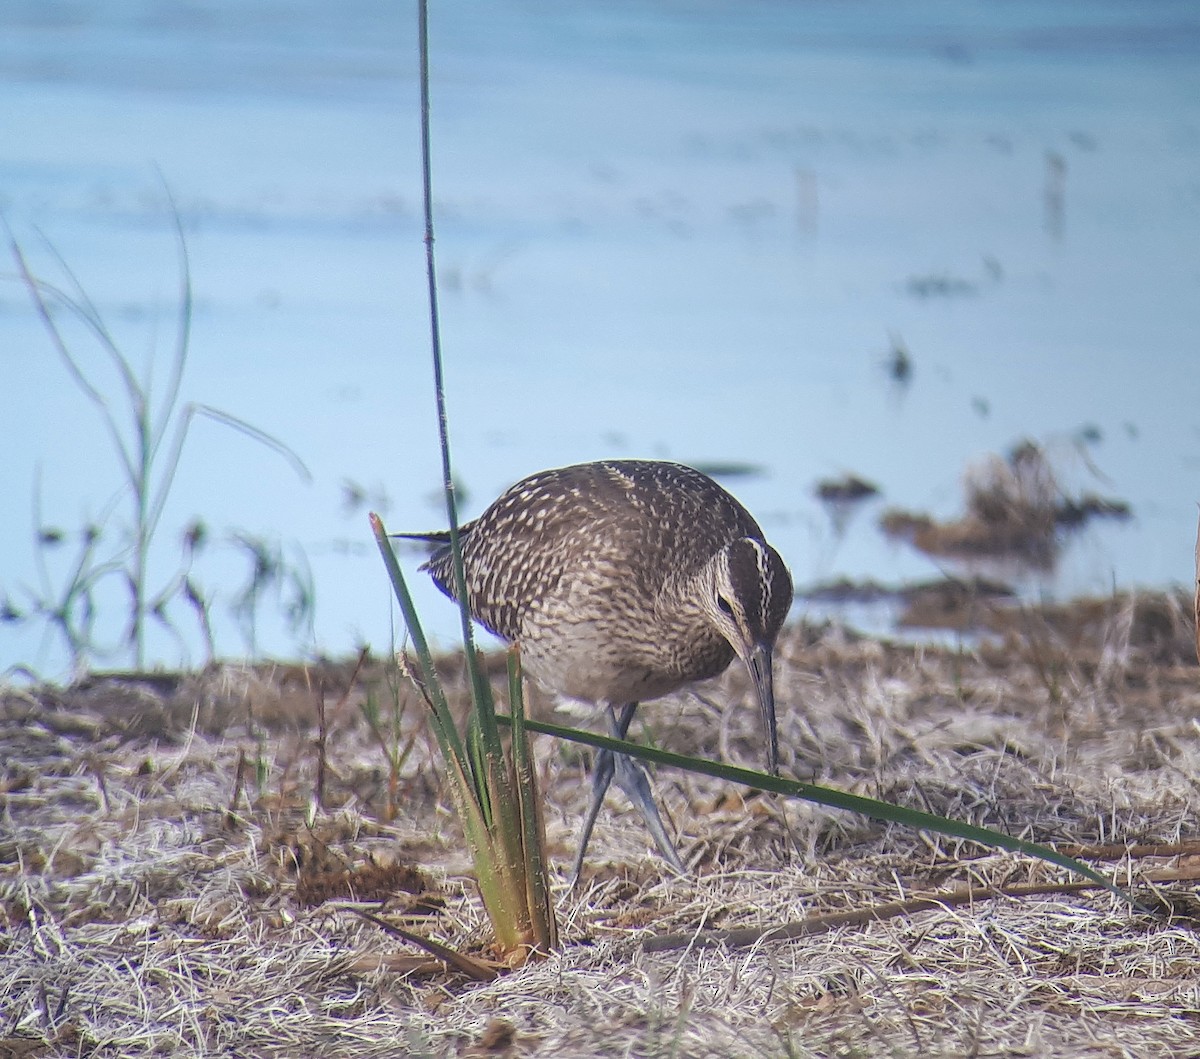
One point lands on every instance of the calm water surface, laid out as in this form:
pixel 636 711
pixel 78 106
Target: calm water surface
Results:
pixel 692 231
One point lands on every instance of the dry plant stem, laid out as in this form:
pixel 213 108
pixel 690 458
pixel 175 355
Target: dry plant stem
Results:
pixel 1137 851
pixel 239 782
pixel 394 755
pixel 344 701
pixel 477 970
pixel 322 738
pixel 858 917
pixel 324 723
pixel 1196 613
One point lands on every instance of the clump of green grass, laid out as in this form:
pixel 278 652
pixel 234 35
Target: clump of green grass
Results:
pixel 494 786
pixel 494 789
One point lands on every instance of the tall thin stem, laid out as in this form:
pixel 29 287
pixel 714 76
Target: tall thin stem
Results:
pixel 435 333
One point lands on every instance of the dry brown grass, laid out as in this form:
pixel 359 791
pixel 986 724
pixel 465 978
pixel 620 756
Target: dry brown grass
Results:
pixel 145 910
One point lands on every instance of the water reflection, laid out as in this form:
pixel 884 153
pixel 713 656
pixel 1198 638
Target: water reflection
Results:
pixel 664 231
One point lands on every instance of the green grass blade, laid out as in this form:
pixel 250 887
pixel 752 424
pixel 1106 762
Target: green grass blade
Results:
pixel 38 291
pixel 533 823
pixel 485 714
pixel 498 786
pixel 811 792
pixel 447 733
pixel 183 324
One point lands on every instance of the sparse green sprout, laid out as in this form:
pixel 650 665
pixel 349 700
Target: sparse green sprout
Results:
pixel 147 423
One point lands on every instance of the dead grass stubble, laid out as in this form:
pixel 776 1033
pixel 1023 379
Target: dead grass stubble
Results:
pixel 142 913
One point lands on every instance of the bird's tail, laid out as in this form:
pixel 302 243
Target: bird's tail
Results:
pixel 438 556
pixel 430 537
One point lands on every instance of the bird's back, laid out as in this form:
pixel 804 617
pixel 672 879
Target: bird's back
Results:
pixel 572 563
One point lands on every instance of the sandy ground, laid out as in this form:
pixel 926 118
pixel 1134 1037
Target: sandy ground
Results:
pixel 168 884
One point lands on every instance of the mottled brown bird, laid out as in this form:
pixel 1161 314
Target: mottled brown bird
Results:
pixel 624 580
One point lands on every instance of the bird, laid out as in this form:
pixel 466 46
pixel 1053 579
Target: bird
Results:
pixel 622 581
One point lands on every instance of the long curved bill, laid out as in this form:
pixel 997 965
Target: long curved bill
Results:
pixel 758 661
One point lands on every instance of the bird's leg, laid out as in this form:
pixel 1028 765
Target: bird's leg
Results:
pixel 632 779
pixel 602 774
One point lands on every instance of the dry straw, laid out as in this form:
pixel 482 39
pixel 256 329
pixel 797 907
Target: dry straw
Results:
pixel 140 916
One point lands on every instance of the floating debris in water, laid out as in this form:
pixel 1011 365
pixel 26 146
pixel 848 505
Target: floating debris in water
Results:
pixel 1017 511
pixel 844 590
pixel 730 469
pixel 899 363
pixel 940 286
pixel 847 488
pixel 842 497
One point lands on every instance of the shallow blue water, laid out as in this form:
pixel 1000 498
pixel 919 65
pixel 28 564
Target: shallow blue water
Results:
pixel 672 230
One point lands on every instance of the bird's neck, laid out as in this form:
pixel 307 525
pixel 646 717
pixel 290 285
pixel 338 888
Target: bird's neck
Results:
pixel 682 599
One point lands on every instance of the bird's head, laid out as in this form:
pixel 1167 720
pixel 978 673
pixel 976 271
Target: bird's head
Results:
pixel 749 596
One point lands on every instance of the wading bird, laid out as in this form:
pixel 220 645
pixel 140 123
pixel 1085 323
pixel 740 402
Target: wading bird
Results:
pixel 624 580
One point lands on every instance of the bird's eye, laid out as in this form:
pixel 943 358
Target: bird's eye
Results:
pixel 724 606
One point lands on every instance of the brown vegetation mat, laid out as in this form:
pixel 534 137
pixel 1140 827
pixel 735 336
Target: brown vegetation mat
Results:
pixel 161 891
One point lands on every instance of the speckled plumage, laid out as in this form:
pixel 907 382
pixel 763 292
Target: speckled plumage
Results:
pixel 593 569
pixel 624 580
